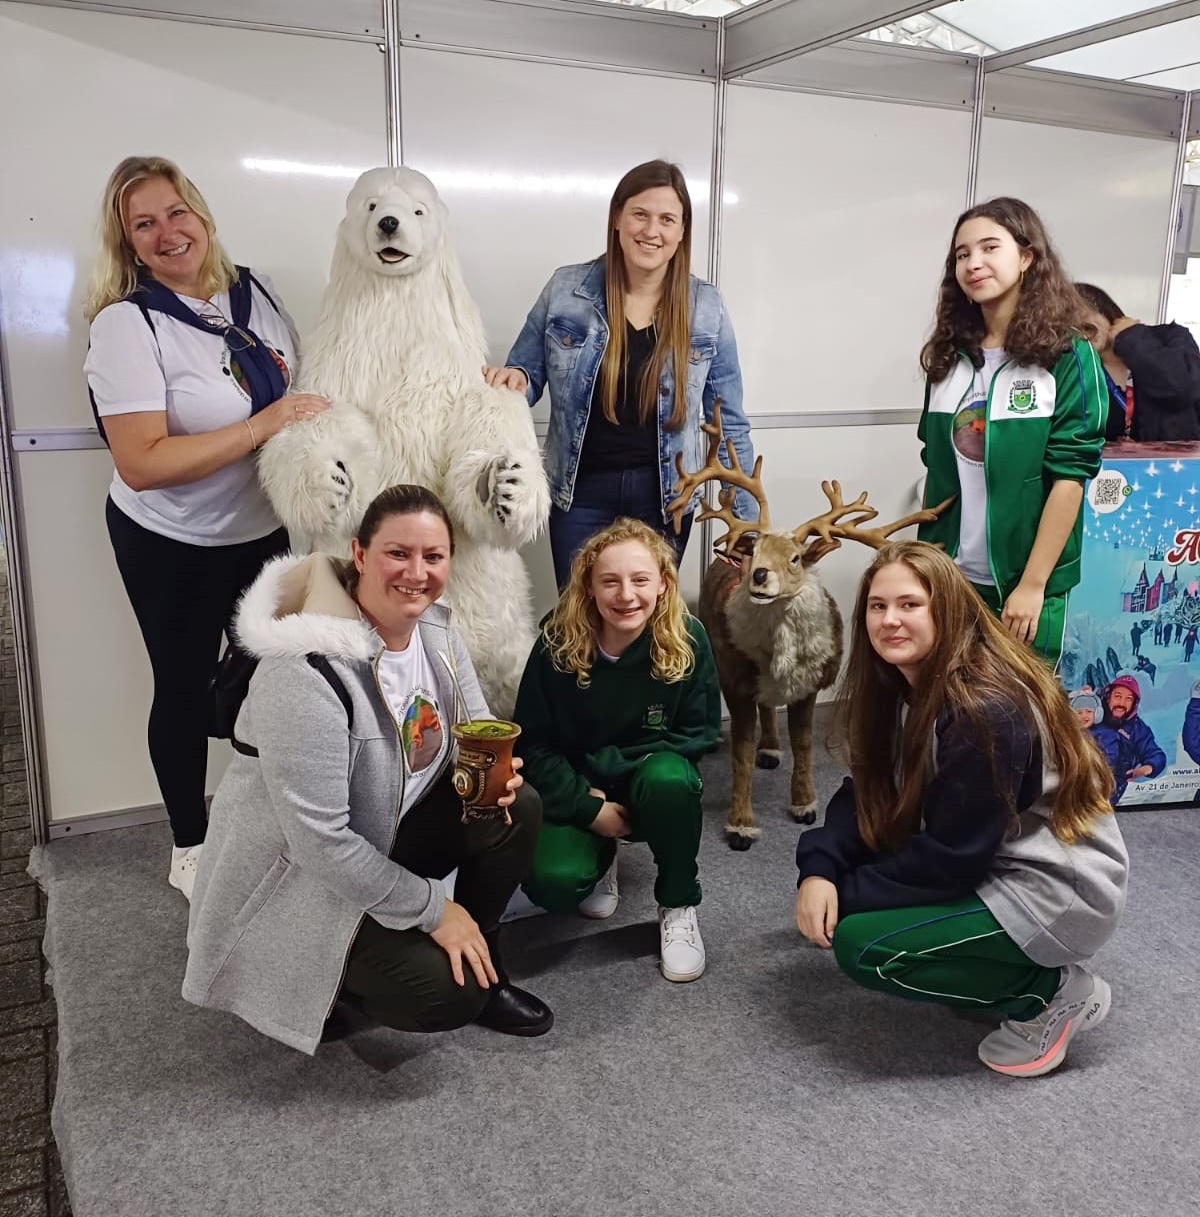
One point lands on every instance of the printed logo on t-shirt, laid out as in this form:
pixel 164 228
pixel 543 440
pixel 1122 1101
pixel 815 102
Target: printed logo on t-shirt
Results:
pixel 233 369
pixel 420 731
pixel 1022 397
pixel 967 430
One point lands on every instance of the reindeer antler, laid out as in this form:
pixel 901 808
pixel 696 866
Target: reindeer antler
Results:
pixel 733 477
pixel 830 529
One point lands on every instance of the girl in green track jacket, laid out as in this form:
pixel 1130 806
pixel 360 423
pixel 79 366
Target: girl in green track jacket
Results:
pixel 1013 424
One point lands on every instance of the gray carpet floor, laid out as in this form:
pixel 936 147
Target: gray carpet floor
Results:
pixel 771 1086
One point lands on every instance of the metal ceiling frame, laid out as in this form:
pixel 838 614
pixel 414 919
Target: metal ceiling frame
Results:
pixel 1104 31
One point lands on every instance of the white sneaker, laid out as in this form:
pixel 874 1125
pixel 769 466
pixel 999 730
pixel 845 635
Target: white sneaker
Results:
pixel 682 957
pixel 603 899
pixel 183 868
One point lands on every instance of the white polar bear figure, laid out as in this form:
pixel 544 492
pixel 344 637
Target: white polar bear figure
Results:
pixel 398 350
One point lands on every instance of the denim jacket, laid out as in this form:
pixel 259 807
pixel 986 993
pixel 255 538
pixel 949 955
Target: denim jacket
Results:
pixel 561 347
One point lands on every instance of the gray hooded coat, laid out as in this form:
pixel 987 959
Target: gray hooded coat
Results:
pixel 298 837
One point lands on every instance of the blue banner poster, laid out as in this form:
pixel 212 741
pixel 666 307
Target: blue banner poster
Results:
pixel 1131 657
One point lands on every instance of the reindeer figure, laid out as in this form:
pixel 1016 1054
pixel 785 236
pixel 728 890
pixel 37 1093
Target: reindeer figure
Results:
pixel 776 633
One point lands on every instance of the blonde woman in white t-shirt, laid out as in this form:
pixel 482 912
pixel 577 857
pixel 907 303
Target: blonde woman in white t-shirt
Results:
pixel 185 398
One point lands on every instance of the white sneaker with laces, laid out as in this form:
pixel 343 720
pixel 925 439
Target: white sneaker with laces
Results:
pixel 603 899
pixel 682 954
pixel 183 868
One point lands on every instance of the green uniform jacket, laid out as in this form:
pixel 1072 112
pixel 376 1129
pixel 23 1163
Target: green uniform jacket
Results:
pixel 1041 427
pixel 573 738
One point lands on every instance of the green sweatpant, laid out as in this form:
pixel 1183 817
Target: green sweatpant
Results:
pixel 663 801
pixel 955 954
pixel 1052 623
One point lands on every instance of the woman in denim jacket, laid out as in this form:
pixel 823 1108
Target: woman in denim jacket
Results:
pixel 606 337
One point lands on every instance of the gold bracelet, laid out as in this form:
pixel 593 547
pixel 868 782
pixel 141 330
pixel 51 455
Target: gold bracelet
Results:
pixel 253 441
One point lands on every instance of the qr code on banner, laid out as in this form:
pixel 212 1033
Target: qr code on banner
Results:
pixel 1108 491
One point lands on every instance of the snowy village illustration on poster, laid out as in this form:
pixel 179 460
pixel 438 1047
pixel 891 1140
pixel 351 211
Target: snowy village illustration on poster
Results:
pixel 1131 656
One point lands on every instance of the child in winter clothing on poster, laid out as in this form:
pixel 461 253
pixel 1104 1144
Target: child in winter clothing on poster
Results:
pixel 618 702
pixel 973 859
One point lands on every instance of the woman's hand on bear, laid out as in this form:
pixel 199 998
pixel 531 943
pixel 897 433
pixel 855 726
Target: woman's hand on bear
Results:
pixel 506 378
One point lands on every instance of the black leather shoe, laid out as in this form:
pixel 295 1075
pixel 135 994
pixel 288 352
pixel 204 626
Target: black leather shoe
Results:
pixel 513 1011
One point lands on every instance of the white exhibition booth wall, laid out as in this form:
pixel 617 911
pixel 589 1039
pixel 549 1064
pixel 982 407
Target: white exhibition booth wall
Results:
pixel 836 210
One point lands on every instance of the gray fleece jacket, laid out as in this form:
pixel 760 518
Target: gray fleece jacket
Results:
pixel 299 836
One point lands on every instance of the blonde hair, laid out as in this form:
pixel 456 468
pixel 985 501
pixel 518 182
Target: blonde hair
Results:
pixel 572 630
pixel 973 664
pixel 672 319
pixel 115 274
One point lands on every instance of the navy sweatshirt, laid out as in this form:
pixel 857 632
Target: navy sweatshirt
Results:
pixel 966 816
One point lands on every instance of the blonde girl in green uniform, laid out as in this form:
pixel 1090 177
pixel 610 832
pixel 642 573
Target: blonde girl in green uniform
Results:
pixel 618 702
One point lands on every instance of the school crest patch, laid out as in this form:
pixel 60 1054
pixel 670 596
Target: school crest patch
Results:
pixel 1022 397
pixel 656 717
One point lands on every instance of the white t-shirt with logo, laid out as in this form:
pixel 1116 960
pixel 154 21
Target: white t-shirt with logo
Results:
pixel 967 432
pixel 191 375
pixel 407 680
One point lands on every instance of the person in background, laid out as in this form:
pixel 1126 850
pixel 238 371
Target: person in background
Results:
pixel 1138 754
pixel 972 858
pixel 1152 371
pixel 636 353
pixel 337 820
pixel 184 397
pixel 1013 422
pixel 618 703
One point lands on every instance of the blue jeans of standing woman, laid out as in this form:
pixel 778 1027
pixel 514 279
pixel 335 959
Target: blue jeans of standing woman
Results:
pixel 601 497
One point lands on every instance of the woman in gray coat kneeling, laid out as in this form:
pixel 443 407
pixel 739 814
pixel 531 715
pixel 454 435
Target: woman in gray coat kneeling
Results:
pixel 336 821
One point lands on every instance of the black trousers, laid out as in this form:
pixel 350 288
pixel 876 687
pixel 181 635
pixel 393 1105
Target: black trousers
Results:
pixel 183 597
pixel 402 978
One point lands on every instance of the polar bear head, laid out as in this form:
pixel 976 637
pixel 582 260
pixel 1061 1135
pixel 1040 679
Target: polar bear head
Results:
pixel 395 223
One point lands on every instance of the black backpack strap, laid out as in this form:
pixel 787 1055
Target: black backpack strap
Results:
pixel 266 295
pixel 322 665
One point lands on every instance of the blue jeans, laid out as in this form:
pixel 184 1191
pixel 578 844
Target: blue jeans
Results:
pixel 599 499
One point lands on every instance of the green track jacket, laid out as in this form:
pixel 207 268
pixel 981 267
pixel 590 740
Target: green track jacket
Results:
pixel 573 738
pixel 1041 427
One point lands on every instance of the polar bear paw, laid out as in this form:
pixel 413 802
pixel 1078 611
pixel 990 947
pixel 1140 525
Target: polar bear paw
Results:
pixel 501 488
pixel 333 487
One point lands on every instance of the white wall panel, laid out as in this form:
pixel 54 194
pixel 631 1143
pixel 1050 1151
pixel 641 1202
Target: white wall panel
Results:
pixel 103 87
pixel 526 156
pixel 107 87
pixel 831 255
pixel 1105 199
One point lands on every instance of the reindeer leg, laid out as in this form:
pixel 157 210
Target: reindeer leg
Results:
pixel 804 799
pixel 770 754
pixel 740 831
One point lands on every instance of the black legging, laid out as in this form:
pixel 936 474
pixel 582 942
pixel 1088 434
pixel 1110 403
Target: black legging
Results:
pixel 183 597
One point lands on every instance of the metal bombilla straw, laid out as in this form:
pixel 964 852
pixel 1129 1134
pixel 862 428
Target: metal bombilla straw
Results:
pixel 461 698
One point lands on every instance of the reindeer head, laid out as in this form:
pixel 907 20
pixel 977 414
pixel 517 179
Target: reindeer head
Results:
pixel 774 562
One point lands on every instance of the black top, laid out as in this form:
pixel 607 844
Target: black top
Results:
pixel 965 818
pixel 1165 364
pixel 628 443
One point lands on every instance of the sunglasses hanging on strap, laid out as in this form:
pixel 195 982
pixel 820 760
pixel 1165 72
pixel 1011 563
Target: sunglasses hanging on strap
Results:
pixel 262 375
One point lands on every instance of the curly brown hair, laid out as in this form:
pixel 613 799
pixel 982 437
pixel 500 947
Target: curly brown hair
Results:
pixel 1048 313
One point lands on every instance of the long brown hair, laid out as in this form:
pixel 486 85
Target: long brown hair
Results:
pixel 572 631
pixel 115 274
pixel 974 664
pixel 672 317
pixel 1048 313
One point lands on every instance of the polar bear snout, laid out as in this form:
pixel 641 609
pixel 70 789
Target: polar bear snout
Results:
pixel 388 224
